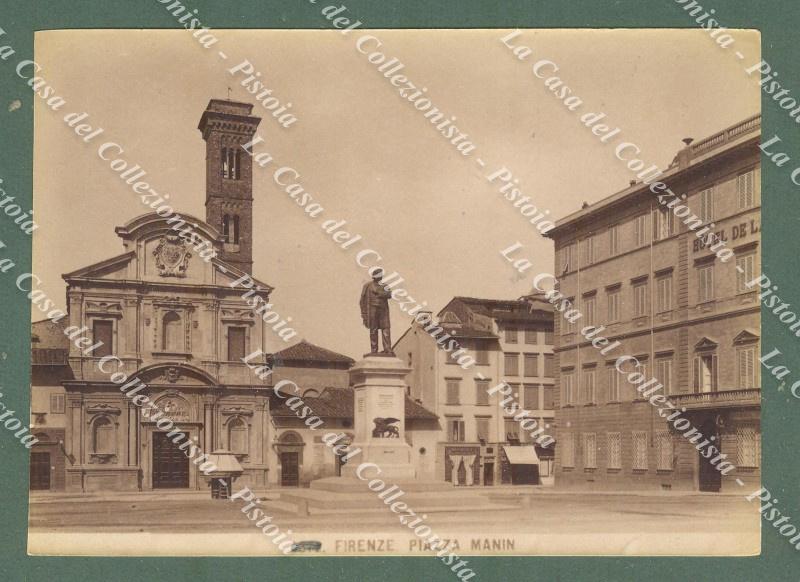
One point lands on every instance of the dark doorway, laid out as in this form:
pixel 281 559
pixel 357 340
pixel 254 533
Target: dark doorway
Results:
pixel 40 471
pixel 709 479
pixel 170 464
pixel 290 470
pixel 488 474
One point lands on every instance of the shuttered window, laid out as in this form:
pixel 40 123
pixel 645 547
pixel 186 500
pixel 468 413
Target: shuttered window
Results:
pixel 746 364
pixel 588 387
pixel 664 293
pixel 639 438
pixel 548 403
pixel 57 404
pixel 566 444
pixel 748 445
pixel 640 299
pixel 664 373
pixel 665 451
pixel 614 441
pixel 613 240
pixel 745 188
pixel 745 272
pixel 531 364
pixel 705 283
pixel 453 391
pixel 531 397
pixel 482 428
pixel 481 391
pixel 457 430
pixel 511 364
pixel 705 373
pixel 613 306
pixel 613 384
pixel 568 395
pixel 640 230
pixel 706 204
pixel 548 365
pixel 589 450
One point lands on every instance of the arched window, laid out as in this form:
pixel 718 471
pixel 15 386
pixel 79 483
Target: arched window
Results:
pixel 237 436
pixel 103 441
pixel 171 332
pixel 226 228
pixel 235 236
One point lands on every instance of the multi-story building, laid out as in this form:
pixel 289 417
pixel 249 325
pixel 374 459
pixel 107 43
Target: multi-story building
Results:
pixel 511 342
pixel 49 367
pixel 631 265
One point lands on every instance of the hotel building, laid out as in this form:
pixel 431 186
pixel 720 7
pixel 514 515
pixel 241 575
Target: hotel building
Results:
pixel 511 341
pixel 630 265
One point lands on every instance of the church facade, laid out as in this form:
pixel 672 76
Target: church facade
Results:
pixel 169 319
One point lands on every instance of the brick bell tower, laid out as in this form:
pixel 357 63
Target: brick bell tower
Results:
pixel 227 126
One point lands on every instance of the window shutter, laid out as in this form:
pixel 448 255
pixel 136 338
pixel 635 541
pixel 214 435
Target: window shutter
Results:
pixel 714 373
pixel 697 365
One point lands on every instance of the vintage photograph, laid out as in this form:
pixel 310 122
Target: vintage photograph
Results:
pixel 440 293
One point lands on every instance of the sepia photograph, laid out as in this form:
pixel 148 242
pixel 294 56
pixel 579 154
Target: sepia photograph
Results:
pixel 442 293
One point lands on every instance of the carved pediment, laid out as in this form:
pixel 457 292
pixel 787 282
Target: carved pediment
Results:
pixel 237 314
pixel 745 336
pixel 237 410
pixel 103 409
pixel 175 374
pixel 107 308
pixel 705 344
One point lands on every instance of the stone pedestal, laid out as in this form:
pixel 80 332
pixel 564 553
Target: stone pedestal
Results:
pixel 379 418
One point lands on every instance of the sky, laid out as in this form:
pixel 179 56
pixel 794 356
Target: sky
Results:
pixel 365 154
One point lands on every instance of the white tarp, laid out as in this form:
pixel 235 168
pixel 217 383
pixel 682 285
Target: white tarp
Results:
pixel 525 455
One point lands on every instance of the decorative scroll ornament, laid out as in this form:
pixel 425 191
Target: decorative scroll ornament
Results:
pixel 172 256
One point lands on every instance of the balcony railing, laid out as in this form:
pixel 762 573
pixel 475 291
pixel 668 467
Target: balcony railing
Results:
pixel 49 357
pixel 726 135
pixel 721 399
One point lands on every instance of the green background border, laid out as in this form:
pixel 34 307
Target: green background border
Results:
pixel 778 22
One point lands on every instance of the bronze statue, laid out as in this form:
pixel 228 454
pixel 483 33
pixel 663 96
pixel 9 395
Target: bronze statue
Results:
pixel 384 428
pixel 375 314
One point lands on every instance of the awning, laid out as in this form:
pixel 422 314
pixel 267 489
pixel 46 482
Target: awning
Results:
pixel 521 455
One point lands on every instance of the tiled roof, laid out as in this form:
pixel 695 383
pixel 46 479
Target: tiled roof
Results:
pixel 507 309
pixel 304 351
pixel 338 403
pixel 47 334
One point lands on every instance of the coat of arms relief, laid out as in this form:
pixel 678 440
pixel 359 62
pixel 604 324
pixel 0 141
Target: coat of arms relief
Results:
pixel 172 256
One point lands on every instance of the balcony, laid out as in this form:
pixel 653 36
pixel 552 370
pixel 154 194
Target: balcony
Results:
pixel 726 135
pixel 49 357
pixel 749 397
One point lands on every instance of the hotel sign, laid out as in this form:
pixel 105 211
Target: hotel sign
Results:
pixel 737 233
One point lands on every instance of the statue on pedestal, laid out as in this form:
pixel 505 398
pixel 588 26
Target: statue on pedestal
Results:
pixel 375 314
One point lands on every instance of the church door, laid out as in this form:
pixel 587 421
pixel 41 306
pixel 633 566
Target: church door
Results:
pixel 170 464
pixel 290 470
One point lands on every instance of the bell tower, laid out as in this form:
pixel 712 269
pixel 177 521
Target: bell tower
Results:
pixel 227 126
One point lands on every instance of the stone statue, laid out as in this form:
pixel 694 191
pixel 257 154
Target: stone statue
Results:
pixel 375 314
